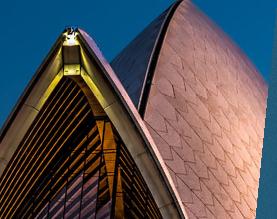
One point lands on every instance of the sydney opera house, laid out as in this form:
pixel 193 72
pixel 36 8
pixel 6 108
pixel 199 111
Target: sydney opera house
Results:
pixel 171 128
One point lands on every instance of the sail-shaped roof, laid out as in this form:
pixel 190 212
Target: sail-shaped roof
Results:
pixel 184 99
pixel 204 106
pixel 76 56
pixel 135 63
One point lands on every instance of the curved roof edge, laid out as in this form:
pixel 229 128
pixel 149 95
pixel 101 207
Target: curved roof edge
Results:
pixel 135 120
pixel 48 59
pixel 119 108
pixel 140 58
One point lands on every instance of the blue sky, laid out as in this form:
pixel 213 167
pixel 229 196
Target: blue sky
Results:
pixel 29 28
pixel 249 23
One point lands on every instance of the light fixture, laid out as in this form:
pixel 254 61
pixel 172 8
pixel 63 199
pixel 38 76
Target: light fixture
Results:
pixel 70 36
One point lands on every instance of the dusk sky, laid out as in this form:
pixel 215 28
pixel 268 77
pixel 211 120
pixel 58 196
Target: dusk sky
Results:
pixel 29 29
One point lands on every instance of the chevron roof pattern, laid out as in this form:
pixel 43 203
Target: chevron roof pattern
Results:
pixel 201 119
pixel 206 113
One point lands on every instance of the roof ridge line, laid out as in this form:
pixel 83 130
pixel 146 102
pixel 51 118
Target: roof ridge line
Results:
pixel 154 58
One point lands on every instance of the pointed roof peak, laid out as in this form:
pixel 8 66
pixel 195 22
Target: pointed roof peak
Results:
pixel 135 64
pixel 96 74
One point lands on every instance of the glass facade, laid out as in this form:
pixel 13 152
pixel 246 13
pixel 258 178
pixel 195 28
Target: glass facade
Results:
pixel 73 164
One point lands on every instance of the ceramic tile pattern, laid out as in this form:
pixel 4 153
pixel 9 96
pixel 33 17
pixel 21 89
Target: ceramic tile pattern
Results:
pixel 206 112
pixel 135 58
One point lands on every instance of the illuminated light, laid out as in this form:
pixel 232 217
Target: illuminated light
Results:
pixel 70 37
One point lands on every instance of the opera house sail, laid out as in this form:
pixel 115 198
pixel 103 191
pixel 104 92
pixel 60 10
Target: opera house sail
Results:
pixel 171 128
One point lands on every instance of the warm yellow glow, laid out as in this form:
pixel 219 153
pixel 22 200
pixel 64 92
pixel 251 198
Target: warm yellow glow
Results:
pixel 70 70
pixel 49 90
pixel 70 38
pixel 95 90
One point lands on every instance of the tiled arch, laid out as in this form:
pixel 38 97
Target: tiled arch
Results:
pixel 206 113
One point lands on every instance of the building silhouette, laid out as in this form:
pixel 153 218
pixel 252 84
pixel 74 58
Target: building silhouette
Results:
pixel 171 128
